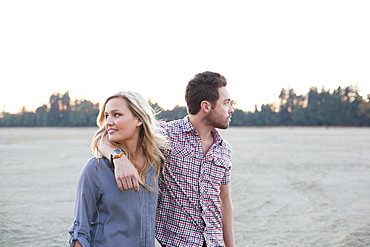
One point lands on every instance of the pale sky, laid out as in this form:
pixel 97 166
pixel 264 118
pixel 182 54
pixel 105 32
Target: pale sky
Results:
pixel 96 48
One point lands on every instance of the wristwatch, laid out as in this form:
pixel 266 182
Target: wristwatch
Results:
pixel 117 153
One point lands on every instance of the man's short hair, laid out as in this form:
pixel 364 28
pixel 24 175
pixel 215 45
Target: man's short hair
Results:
pixel 203 86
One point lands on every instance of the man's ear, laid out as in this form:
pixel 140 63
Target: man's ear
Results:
pixel 205 106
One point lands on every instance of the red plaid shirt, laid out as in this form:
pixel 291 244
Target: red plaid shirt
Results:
pixel 189 206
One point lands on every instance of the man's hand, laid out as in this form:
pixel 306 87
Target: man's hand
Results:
pixel 126 174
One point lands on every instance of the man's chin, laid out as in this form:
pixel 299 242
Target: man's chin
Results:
pixel 223 127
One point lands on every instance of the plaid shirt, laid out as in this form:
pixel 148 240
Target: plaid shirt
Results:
pixel 189 206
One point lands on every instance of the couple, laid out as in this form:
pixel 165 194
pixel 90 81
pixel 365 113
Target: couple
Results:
pixel 184 165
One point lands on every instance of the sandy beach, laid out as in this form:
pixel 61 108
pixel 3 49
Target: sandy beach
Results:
pixel 290 186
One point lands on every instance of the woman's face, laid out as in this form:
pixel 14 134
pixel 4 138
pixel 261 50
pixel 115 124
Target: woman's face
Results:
pixel 121 124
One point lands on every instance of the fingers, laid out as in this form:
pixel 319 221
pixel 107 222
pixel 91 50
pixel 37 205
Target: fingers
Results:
pixel 129 183
pixel 124 184
pixel 136 185
pixel 127 176
pixel 120 185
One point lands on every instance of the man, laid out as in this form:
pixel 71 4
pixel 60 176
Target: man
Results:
pixel 194 206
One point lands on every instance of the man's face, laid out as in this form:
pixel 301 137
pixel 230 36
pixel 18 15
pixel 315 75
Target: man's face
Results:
pixel 220 115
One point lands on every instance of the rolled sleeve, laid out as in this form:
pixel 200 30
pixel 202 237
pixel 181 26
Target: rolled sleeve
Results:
pixel 73 231
pixel 88 193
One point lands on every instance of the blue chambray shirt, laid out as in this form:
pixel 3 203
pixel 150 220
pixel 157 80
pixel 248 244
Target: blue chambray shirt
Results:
pixel 106 216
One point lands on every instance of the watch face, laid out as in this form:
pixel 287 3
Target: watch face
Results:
pixel 117 152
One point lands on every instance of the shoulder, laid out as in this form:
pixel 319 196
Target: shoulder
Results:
pixel 225 151
pixel 226 146
pixel 93 165
pixel 175 124
pixel 90 164
pixel 89 167
pixel 173 128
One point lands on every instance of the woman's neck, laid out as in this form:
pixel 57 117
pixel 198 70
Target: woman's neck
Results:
pixel 136 153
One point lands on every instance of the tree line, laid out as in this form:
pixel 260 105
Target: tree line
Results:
pixel 60 111
pixel 341 107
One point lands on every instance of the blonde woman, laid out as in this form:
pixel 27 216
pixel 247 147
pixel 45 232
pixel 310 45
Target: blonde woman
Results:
pixel 105 215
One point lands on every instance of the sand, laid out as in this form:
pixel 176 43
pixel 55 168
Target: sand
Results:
pixel 290 186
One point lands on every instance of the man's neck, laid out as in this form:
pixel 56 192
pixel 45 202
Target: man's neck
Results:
pixel 204 132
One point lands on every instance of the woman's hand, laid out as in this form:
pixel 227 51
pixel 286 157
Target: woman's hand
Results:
pixel 77 244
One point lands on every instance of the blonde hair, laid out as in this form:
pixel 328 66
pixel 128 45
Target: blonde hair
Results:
pixel 150 132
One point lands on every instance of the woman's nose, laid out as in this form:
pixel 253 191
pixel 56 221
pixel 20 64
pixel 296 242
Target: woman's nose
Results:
pixel 108 121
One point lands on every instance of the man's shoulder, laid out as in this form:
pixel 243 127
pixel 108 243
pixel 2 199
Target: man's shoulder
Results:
pixel 173 125
pixel 226 144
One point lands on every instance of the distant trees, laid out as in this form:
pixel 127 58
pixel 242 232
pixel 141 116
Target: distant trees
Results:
pixel 58 112
pixel 342 107
pixel 176 113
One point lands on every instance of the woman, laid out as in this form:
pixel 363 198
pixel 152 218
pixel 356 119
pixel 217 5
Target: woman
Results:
pixel 104 215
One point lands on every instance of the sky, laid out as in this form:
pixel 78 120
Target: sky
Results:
pixel 94 49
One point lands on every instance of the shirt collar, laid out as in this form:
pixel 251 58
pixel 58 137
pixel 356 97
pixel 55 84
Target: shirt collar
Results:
pixel 217 136
pixel 188 127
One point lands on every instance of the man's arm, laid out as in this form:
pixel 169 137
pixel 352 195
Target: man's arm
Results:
pixel 126 174
pixel 227 215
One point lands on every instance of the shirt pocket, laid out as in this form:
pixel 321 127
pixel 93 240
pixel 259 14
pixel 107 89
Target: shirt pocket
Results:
pixel 215 171
pixel 182 163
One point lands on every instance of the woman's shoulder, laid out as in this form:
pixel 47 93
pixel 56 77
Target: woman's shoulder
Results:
pixel 94 164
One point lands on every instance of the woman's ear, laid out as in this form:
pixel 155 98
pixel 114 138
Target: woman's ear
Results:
pixel 139 122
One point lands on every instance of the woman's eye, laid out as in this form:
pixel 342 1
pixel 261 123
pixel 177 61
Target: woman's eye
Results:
pixel 117 114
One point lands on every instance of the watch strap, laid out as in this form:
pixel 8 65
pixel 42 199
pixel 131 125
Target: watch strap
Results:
pixel 116 154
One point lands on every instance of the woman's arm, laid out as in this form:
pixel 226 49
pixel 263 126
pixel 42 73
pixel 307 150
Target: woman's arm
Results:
pixel 127 177
pixel 88 195
pixel 77 244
